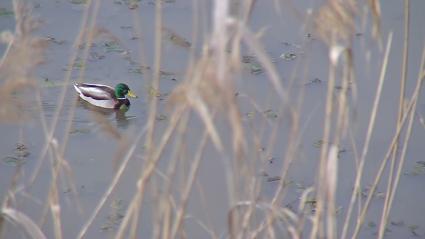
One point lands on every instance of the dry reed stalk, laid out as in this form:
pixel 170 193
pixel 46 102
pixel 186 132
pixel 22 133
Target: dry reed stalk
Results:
pixel 392 190
pixel 166 205
pixel 280 213
pixel 208 225
pixel 77 41
pixel 53 196
pixel 318 223
pixel 153 105
pixel 291 149
pixel 403 79
pixel 375 7
pixel 411 106
pixel 113 184
pixel 188 187
pixel 203 226
pixel 250 40
pixel 279 194
pixel 335 51
pixel 58 162
pixel 335 25
pixel 200 93
pixel 203 93
pixel 146 174
pixel 52 151
pixel 55 210
pixel 336 21
pixel 29 226
pixel 91 32
pixel 24 52
pixel 368 137
pixel 331 186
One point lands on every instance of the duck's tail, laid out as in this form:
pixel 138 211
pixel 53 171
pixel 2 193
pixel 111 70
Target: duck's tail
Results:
pixel 77 88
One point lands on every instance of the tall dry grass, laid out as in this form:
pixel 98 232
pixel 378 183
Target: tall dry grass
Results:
pixel 208 92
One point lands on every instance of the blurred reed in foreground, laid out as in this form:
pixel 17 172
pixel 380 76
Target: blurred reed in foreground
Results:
pixel 209 92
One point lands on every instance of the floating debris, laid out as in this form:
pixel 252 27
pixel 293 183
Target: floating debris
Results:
pixel 78 64
pixel 78 1
pixel 319 143
pixel 315 81
pixel 154 92
pixel 299 186
pixel 274 179
pixel 399 223
pixel 312 203
pixel 163 96
pixel 250 115
pixel 288 56
pixel 253 65
pixel 341 152
pixel 270 114
pixel 51 83
pixel 418 169
pixel 113 46
pixel 131 4
pixel 365 192
pixel 175 38
pixel 161 117
pixel 96 56
pixel 256 68
pixel 126 27
pixel 413 229
pixel 21 150
pixel 116 215
pixel 79 131
pixel 141 69
pixel 247 59
pixel 136 70
pixel 13 161
pixel 19 158
pixel 54 40
pixel 338 210
pixel 371 224
pixel 5 12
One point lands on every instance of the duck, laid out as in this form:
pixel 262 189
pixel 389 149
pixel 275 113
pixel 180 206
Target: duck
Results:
pixel 105 96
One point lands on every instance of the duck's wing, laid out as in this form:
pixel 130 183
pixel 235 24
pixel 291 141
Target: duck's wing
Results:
pixel 95 91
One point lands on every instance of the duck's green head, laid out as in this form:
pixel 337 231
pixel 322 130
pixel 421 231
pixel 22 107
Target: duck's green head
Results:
pixel 122 90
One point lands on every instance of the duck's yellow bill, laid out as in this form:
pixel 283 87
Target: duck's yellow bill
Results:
pixel 131 94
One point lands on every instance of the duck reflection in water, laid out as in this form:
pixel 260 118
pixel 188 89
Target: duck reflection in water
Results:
pixel 122 120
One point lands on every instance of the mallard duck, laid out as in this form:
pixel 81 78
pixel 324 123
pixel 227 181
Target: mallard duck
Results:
pixel 105 96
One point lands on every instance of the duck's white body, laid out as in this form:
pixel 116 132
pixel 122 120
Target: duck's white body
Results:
pixel 97 94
